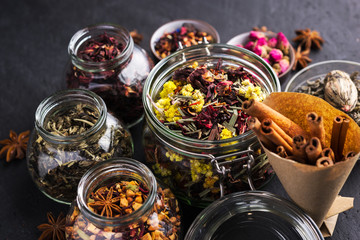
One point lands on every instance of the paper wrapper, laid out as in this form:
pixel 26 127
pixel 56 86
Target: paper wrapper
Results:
pixel 313 188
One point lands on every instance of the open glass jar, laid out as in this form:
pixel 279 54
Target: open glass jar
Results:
pixel 105 60
pixel 139 208
pixel 73 131
pixel 253 215
pixel 200 171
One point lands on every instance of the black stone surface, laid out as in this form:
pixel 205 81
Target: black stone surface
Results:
pixel 33 54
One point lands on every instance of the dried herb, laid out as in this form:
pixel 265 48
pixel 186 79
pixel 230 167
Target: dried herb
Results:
pixel 308 39
pixel 187 35
pixel 100 49
pixel 301 58
pixel 127 196
pixel 15 146
pixel 58 167
pixel 205 102
pixel 54 229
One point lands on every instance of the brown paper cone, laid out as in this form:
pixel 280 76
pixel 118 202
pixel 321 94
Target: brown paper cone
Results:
pixel 314 189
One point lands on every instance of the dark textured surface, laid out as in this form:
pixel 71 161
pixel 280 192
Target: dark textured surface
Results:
pixel 33 45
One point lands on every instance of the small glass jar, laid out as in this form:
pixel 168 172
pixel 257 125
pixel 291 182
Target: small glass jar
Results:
pixel 253 215
pixel 200 171
pixel 157 218
pixel 119 80
pixel 56 159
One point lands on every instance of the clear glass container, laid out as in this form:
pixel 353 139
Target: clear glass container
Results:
pixel 157 218
pixel 119 81
pixel 57 160
pixel 253 215
pixel 186 164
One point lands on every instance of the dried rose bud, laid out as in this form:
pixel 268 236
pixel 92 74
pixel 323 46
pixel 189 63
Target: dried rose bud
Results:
pixel 260 51
pixel 277 69
pixel 272 42
pixel 283 44
pixel 261 42
pixel 249 46
pixel 267 60
pixel 254 35
pixel 275 55
pixel 284 65
pixel 239 45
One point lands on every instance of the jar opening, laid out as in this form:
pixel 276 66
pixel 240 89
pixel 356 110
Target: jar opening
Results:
pixel 70 116
pixel 118 176
pixel 101 37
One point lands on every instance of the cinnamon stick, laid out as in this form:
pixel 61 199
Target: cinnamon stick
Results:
pixel 328 152
pixel 281 151
pixel 262 111
pixel 299 144
pixel 350 154
pixel 316 126
pixel 313 150
pixel 268 122
pixel 255 125
pixel 335 135
pixel 275 138
pixel 324 162
pixel 343 131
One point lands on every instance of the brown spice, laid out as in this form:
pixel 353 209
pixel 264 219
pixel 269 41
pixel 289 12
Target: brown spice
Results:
pixel 15 146
pixel 137 37
pixel 301 58
pixel 54 229
pixel 308 38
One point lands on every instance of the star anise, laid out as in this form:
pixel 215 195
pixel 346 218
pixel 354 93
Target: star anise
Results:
pixel 105 205
pixel 301 58
pixel 308 38
pixel 54 229
pixel 15 146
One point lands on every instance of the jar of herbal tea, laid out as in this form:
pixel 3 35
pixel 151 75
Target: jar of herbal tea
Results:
pixel 196 137
pixel 73 132
pixel 105 60
pixel 121 199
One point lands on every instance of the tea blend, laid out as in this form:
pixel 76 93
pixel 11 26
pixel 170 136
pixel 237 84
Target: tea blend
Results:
pixel 57 167
pixel 121 199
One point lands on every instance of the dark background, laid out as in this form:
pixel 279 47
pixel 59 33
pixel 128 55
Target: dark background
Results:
pixel 33 54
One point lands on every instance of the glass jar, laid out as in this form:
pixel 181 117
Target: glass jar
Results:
pixel 62 148
pixel 157 218
pixel 253 215
pixel 118 79
pixel 199 171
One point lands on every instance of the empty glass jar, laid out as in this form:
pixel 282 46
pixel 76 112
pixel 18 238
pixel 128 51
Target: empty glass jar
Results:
pixel 73 132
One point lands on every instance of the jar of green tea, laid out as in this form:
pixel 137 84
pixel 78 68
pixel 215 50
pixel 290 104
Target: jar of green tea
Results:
pixel 196 139
pixel 121 199
pixel 73 132
pixel 105 60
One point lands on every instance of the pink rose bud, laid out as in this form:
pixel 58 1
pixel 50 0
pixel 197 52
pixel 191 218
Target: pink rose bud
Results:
pixel 254 35
pixel 249 46
pixel 267 60
pixel 259 51
pixel 272 42
pixel 277 69
pixel 261 42
pixel 239 45
pixel 284 65
pixel 275 55
pixel 282 43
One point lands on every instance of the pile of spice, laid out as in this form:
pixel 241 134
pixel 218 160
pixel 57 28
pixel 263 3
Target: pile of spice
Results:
pixel 338 88
pixel 205 102
pixel 121 199
pixel 187 35
pixel 121 91
pixel 58 167
pixel 274 50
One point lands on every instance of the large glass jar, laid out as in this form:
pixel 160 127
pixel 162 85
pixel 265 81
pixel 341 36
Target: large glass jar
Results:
pixel 253 215
pixel 200 171
pixel 156 218
pixel 105 60
pixel 73 131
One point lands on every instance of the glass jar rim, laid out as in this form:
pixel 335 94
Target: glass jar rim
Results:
pixel 160 126
pixel 234 199
pixel 49 103
pixel 83 35
pixel 92 179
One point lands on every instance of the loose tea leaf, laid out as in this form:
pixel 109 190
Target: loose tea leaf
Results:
pixel 57 168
